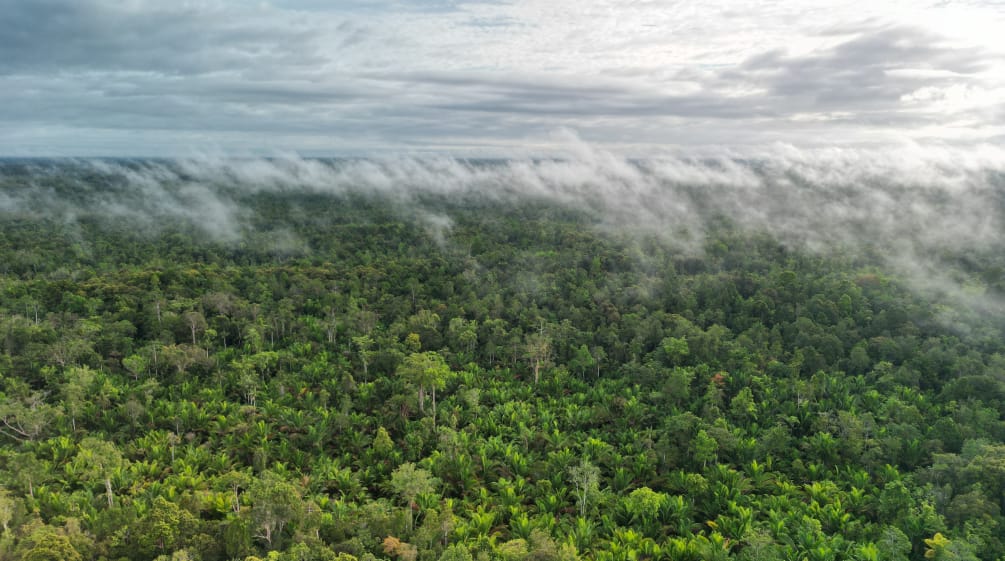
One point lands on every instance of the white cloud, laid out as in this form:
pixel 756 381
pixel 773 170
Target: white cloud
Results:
pixel 142 77
pixel 954 98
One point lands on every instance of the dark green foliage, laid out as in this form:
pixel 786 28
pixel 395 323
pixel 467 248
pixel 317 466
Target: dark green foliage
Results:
pixel 597 395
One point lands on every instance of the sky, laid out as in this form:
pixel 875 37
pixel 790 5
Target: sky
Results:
pixel 494 78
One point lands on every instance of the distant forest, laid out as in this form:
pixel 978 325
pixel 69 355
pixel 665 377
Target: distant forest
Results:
pixel 214 371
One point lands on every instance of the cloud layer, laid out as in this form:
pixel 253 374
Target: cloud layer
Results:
pixel 99 77
pixel 914 194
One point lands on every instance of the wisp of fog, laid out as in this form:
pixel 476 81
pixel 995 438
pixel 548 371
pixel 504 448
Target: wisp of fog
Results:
pixel 909 204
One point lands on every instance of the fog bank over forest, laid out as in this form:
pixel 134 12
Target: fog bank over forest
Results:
pixel 923 211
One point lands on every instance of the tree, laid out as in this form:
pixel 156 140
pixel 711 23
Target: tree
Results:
pixel 427 325
pixel 182 357
pixel 234 481
pixel 456 552
pixel 513 550
pixel 643 505
pixel 582 361
pixel 26 418
pixel 99 459
pixel 136 365
pixel 463 334
pixel 382 443
pixel 363 344
pixel 743 406
pixel 677 387
pixel 77 391
pixel 196 323
pixel 493 337
pixel 936 547
pixel 675 349
pixel 45 543
pixel 164 528
pixel 7 508
pixel 425 370
pixel 537 350
pixel 705 448
pixel 275 503
pixel 26 469
pixel 410 482
pixel 402 550
pixel 586 478
pixel 599 356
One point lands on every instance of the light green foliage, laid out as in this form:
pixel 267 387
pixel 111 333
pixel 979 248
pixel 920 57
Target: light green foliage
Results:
pixel 309 552
pixel 705 448
pixel 742 406
pixel 537 350
pixel 456 552
pixel 98 460
pixel 409 482
pixel 163 529
pixel 582 362
pixel 644 504
pixel 364 344
pixel 76 391
pixel 463 334
pixel 513 550
pixel 8 506
pixel 45 543
pixel 676 350
pixel 167 395
pixel 382 443
pixel 425 370
pixel 275 503
pixel 586 478
pixel 893 545
pixel 24 414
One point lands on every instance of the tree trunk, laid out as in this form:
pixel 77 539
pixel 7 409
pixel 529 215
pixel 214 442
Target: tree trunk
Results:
pixel 108 492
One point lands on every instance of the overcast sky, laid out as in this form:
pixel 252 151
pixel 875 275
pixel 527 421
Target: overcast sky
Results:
pixel 352 77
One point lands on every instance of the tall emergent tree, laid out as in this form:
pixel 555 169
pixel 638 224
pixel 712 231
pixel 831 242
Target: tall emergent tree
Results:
pixel 425 370
pixel 538 352
pixel 586 478
pixel 410 482
pixel 99 459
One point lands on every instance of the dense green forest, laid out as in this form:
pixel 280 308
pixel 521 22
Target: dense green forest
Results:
pixel 359 376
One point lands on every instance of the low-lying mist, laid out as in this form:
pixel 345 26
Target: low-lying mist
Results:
pixel 922 211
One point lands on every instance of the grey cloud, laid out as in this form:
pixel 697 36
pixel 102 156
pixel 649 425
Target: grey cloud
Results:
pixel 372 6
pixel 199 104
pixel 65 35
pixel 291 74
pixel 557 95
pixel 857 77
pixel 856 74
